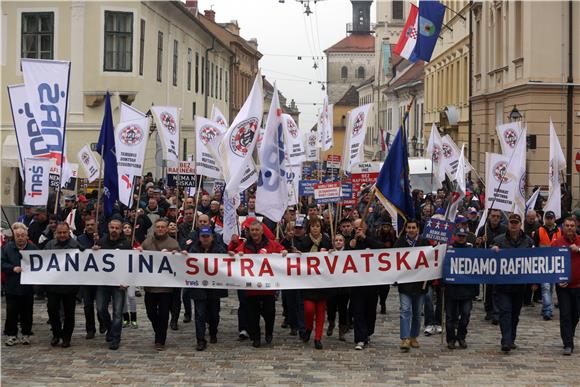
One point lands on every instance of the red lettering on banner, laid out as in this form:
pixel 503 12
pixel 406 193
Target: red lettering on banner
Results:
pixel 422 260
pixel 266 268
pixel 290 266
pixel 402 260
pixel 367 257
pixel 246 264
pixel 383 260
pixel 190 262
pixel 312 264
pixel 229 262
pixel 215 267
pixel 331 267
pixel 349 265
pixel 436 264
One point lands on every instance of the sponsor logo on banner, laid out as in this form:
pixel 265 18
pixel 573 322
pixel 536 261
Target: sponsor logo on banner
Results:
pixel 243 136
pixel 500 171
pixel 292 129
pixel 436 153
pixel 168 121
pixel 131 135
pixel 511 138
pixel 447 151
pixel 208 133
pixel 37 179
pixel 358 123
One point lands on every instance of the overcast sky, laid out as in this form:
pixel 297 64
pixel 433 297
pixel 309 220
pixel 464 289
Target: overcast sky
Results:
pixel 284 32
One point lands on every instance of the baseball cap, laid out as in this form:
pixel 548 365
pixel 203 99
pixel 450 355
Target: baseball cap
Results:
pixel 516 217
pixel 461 232
pixel 205 230
pixel 460 219
pixel 83 199
pixel 440 211
pixel 299 222
pixel 71 198
pixel 472 210
pixel 291 208
pixel 549 214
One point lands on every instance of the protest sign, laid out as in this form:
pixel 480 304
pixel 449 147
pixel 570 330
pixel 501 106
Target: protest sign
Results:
pixel 187 176
pixel 54 176
pixel 508 266
pixel 306 187
pixel 269 271
pixel 438 230
pixel 328 192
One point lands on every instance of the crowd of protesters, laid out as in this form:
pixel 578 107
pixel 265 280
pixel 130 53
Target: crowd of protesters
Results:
pixel 160 221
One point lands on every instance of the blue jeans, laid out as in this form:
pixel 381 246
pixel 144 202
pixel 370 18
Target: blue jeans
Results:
pixel 510 306
pixel 294 309
pixel 186 298
pixel 206 312
pixel 410 320
pixel 106 294
pixel 547 299
pixel 433 311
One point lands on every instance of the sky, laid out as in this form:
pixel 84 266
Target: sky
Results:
pixel 284 32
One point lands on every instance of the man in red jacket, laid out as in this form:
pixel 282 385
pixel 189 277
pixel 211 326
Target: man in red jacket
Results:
pixel 569 292
pixel 260 302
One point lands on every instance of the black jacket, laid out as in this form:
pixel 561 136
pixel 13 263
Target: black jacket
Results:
pixel 54 244
pixel 204 294
pixel 11 258
pixel 492 233
pixel 305 247
pixel 461 292
pixel 108 244
pixel 412 287
pixel 505 241
pixel 86 241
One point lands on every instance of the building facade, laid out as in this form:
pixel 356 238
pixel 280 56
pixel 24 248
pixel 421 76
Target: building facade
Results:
pixel 143 53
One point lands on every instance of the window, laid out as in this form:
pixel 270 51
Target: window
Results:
pixel 344 72
pixel 118 41
pixel 197 72
pixel 360 72
pixel 202 74
pixel 519 27
pixel 37 40
pixel 142 47
pixel 175 61
pixel 499 38
pixel 189 59
pixel 220 88
pixel 397 9
pixel 159 56
pixel 194 109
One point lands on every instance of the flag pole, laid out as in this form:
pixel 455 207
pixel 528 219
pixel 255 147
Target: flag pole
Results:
pixel 99 187
pixel 137 208
pixel 196 201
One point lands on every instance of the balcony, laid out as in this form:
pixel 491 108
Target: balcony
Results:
pixel 350 29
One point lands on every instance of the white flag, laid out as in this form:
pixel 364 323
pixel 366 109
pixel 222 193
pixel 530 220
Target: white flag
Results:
pixel 450 160
pixel 208 136
pixel 36 184
pixel 517 171
pixel 509 135
pixel 129 113
pixel 293 177
pixel 434 148
pixel 324 125
pixel 239 141
pixel 295 141
pixel 89 163
pixel 218 116
pixel 272 190
pixel 312 151
pixel 167 122
pixel 500 186
pixel 460 187
pixel 130 146
pixel 356 130
pixel 531 203
pixel 556 163
pixel 482 221
pixel 231 204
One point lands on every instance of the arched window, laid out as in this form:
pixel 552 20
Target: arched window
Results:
pixel 344 72
pixel 360 73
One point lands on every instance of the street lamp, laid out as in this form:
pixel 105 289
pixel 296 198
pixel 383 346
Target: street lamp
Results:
pixel 515 114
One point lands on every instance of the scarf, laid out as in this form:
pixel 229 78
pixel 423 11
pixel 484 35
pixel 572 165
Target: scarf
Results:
pixel 315 243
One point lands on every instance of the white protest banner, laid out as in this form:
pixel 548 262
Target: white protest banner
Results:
pixel 324 125
pixel 185 175
pixel 293 177
pixel 168 124
pixel 249 272
pixel 36 184
pixel 556 163
pixel 230 227
pixel 218 116
pixel 517 171
pixel 328 192
pixel 89 163
pixel 312 152
pixel 129 113
pixel 294 139
pixel 130 145
pixel 509 135
pixel 434 148
pixel 208 136
pixel 356 130
pixel 499 186
pixel 54 176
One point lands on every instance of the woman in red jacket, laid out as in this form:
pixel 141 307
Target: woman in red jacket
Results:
pixel 260 302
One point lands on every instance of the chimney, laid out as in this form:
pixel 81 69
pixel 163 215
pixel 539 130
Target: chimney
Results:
pixel 191 6
pixel 210 14
pixel 253 42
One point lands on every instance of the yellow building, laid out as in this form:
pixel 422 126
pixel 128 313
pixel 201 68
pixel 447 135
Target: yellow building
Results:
pixel 340 110
pixel 145 53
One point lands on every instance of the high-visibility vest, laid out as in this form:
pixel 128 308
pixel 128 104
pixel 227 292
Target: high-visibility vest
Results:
pixel 545 240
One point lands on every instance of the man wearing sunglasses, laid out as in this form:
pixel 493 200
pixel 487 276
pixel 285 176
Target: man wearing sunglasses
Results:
pixel 510 298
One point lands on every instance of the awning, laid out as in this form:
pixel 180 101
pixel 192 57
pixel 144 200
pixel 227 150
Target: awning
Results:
pixel 10 157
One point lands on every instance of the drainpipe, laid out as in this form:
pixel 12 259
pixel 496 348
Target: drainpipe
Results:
pixel 206 94
pixel 470 83
pixel 569 107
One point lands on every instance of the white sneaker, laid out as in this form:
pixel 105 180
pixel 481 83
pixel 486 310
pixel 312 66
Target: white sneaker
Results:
pixel 12 340
pixel 438 329
pixel 244 334
pixel 359 346
pixel 25 340
pixel 429 330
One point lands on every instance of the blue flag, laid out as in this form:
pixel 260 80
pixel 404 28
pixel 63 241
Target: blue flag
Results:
pixel 106 148
pixel 431 15
pixel 393 182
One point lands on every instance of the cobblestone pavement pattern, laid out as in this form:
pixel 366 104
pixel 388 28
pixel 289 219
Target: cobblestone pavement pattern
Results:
pixel 288 361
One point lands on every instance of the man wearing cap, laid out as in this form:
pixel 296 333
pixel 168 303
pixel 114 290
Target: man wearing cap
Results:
pixel 544 237
pixel 82 204
pixel 509 298
pixel 39 224
pixel 472 219
pixel 458 301
pixel 462 222
pixel 71 215
pixel 207 301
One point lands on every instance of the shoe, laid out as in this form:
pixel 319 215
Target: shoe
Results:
pixel 201 346
pixel 269 339
pixel 359 346
pixel 244 335
pixel 126 323
pixel 487 317
pixel 306 335
pixel 160 347
pixel 513 346
pixel 438 329
pixel 108 338
pixel 462 344
pixel 342 329
pixel 429 330
pixel 284 325
pixel 330 329
pixel 65 343
pixel 293 332
pixel 495 321
pixel 114 345
pixel 186 319
pixel 451 345
pixel 213 339
pixel 54 342
pixel 405 345
pixel 414 342
pixel 547 318
pixel 317 344
pixel 567 351
pixel 134 325
pixel 138 293
pixel 173 325
pixel 102 329
pixel 505 348
pixel 90 335
pixel 25 340
pixel 383 309
pixel 12 340
pixel 256 343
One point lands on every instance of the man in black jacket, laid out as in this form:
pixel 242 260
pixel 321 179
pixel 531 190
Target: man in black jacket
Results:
pixel 510 298
pixel 19 298
pixel 412 294
pixel 62 296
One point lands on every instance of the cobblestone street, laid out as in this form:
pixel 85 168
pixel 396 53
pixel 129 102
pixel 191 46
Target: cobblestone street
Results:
pixel 537 361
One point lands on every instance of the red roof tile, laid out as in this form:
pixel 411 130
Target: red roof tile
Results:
pixel 354 43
